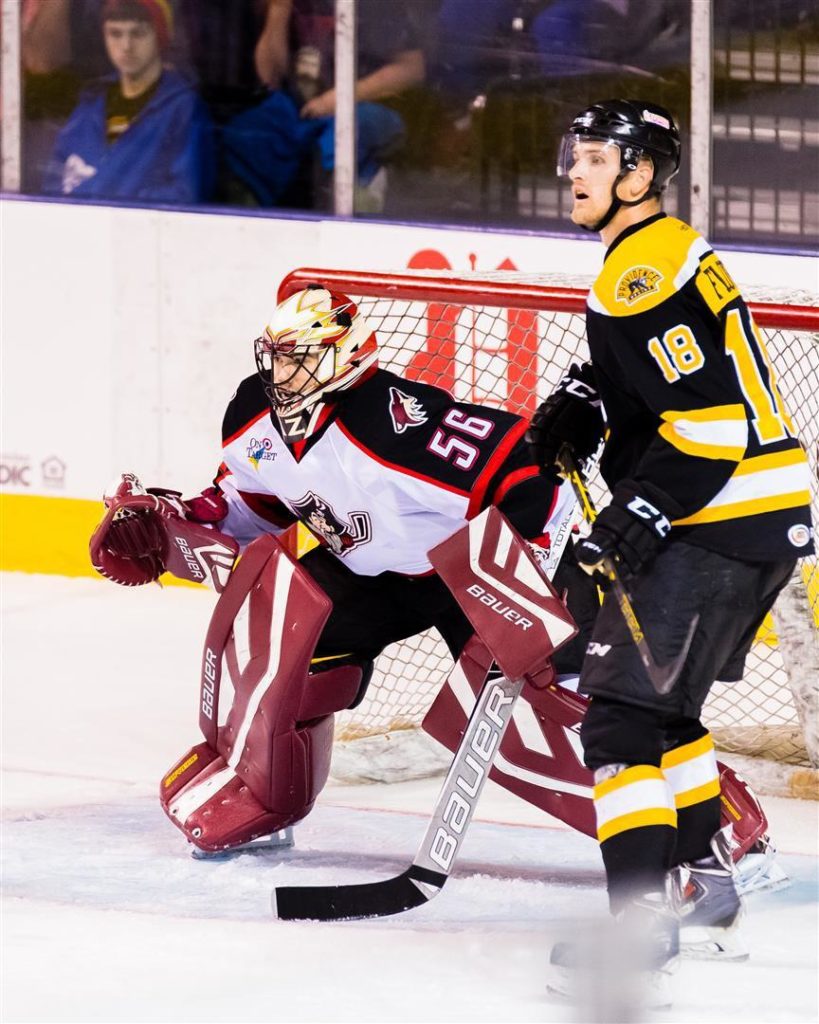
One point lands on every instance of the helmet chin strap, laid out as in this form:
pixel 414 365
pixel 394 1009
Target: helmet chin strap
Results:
pixel 617 202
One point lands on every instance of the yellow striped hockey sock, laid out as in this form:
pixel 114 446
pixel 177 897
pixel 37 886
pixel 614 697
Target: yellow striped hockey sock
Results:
pixel 636 829
pixel 691 771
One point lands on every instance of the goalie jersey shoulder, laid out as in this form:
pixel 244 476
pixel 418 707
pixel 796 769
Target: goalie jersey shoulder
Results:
pixel 422 430
pixel 247 405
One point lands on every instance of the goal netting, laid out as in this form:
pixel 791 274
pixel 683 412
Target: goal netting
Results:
pixel 506 339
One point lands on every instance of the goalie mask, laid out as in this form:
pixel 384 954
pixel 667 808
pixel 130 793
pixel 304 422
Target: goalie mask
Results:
pixel 315 343
pixel 639 130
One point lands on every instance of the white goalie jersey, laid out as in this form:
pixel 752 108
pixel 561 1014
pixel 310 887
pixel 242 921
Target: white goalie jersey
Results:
pixel 394 468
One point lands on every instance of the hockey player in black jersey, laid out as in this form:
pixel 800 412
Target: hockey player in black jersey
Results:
pixel 710 511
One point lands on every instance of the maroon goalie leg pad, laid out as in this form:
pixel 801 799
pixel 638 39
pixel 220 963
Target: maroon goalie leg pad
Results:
pixel 219 811
pixel 272 755
pixel 541 758
pixel 741 809
pixel 224 811
pixel 186 769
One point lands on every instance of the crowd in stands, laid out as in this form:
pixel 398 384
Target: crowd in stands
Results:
pixel 233 101
pixel 189 101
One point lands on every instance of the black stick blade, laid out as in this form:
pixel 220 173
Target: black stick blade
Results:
pixel 354 902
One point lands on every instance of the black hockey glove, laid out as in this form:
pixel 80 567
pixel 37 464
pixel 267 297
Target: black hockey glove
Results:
pixel 628 534
pixel 571 415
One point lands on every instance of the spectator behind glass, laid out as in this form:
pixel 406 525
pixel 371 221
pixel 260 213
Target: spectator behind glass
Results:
pixel 493 41
pixel 270 148
pixel 221 40
pixel 143 133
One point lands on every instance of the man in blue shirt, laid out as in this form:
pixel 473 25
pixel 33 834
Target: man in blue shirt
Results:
pixel 142 134
pixel 270 148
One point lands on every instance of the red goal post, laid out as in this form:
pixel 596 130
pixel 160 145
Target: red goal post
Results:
pixel 506 339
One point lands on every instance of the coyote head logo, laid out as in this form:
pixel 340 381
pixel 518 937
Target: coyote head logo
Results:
pixel 405 411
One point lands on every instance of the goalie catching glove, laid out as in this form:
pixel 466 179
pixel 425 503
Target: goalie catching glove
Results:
pixel 629 532
pixel 146 532
pixel 571 415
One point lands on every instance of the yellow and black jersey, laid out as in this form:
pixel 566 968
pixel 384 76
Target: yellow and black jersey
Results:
pixel 696 423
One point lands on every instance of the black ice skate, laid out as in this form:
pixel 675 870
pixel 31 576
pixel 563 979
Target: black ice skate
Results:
pixel 614 972
pixel 709 907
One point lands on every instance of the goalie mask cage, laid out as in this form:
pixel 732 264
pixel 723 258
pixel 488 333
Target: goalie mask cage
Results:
pixel 506 340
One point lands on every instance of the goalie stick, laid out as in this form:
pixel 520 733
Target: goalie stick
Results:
pixel 662 677
pixel 427 874
pixel 512 594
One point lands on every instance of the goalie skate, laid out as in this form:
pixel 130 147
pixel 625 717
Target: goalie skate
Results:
pixel 281 840
pixel 759 870
pixel 714 943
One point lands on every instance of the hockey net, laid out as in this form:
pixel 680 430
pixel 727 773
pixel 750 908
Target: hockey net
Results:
pixel 506 340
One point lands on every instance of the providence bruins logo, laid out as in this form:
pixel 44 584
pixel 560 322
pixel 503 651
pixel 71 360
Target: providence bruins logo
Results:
pixel 405 411
pixel 636 283
pixel 340 537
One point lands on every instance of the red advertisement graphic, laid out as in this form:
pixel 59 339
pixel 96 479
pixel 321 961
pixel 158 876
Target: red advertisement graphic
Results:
pixel 436 362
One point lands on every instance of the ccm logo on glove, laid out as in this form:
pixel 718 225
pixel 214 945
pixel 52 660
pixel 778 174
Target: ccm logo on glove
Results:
pixel 628 532
pixel 572 415
pixel 645 510
pixel 585 392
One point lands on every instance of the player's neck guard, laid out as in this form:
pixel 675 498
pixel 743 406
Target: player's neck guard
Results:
pixel 299 424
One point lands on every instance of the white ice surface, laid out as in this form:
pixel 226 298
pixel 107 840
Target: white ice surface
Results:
pixel 106 917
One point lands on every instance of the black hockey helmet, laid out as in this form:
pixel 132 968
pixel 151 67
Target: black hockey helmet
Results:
pixel 638 128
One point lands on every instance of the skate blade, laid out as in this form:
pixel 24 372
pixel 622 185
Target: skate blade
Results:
pixel 281 840
pixel 652 991
pixel 704 943
pixel 556 991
